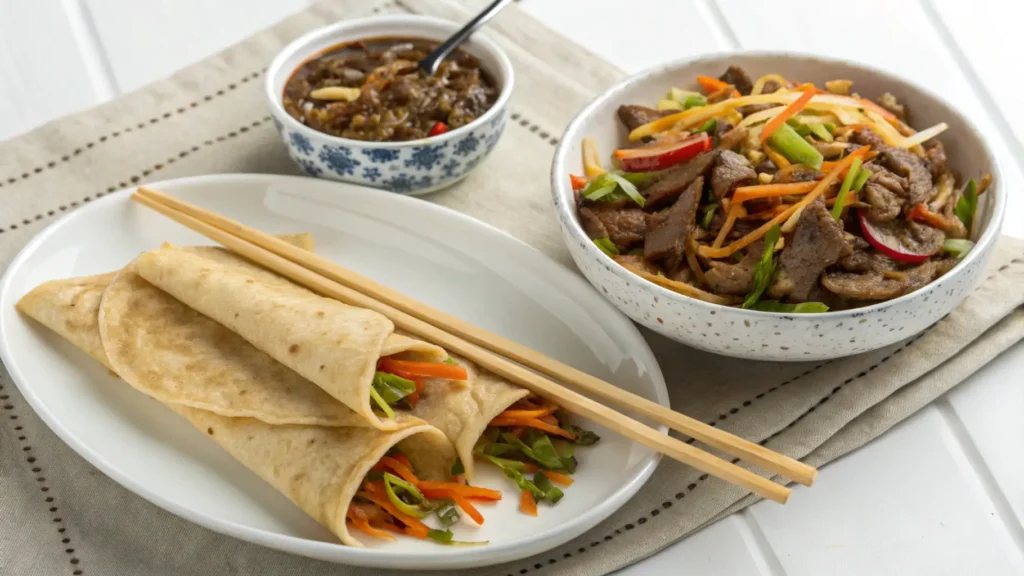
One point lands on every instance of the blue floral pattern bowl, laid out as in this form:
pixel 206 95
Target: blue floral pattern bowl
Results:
pixel 413 167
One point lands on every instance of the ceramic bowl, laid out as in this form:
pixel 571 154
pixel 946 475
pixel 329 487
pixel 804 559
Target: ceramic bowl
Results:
pixel 765 335
pixel 411 167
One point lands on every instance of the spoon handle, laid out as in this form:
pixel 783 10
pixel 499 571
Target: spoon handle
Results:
pixel 431 62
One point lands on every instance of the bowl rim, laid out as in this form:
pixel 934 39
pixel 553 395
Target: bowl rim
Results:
pixel 565 209
pixel 301 45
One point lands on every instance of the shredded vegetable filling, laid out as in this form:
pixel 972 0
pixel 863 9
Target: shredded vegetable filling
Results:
pixel 777 195
pixel 399 383
pixel 534 446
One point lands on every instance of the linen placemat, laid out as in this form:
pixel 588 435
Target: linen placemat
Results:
pixel 59 515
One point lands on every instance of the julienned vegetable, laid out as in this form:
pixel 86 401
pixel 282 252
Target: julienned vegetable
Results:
pixel 534 439
pixel 765 269
pixel 787 142
pixel 607 246
pixel 609 186
pixel 401 381
pixel 661 157
pixel 392 499
pixel 958 247
pixel 968 204
pixel 851 177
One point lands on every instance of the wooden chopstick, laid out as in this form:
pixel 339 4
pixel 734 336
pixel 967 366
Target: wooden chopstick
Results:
pixel 710 435
pixel 570 400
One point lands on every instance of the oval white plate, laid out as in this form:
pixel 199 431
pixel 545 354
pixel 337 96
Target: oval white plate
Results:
pixel 431 253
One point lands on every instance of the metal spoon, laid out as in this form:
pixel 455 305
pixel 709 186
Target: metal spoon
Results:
pixel 433 60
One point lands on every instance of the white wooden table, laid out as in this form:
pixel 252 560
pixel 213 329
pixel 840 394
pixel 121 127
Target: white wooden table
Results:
pixel 943 493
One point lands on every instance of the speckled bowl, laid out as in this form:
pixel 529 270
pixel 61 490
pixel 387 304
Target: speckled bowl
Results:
pixel 411 167
pixel 766 335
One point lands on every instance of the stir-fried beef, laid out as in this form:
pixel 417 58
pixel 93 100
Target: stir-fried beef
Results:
pixel 673 181
pixel 882 176
pixel 635 116
pixel 936 154
pixel 738 77
pixel 908 165
pixel 816 243
pixel 885 205
pixel 626 227
pixel 796 173
pixel 866 137
pixel 635 263
pixel 867 286
pixel 733 138
pixel 592 224
pixel 738 278
pixel 671 232
pixel 890 103
pixel 731 170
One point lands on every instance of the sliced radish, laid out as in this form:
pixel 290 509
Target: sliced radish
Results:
pixel 888 244
pixel 662 156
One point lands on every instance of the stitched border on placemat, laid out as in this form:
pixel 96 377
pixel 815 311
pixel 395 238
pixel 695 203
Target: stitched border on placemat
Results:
pixel 36 468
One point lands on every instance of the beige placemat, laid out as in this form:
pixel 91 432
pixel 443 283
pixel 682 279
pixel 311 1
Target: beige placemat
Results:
pixel 58 515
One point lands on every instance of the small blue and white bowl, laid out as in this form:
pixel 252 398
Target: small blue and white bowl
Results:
pixel 411 167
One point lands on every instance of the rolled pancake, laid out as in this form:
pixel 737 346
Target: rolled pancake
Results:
pixel 70 307
pixel 334 345
pixel 463 411
pixel 320 468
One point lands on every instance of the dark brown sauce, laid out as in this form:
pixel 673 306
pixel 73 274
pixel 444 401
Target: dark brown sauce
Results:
pixel 396 101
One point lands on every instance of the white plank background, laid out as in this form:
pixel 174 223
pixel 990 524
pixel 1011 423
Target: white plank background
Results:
pixel 943 493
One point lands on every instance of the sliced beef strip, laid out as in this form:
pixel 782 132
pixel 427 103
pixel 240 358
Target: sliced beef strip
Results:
pixel 816 243
pixel 635 263
pixel 668 237
pixel 908 165
pixel 738 278
pixel 890 103
pixel 635 116
pixel 795 173
pixel 671 183
pixel 738 77
pixel 682 273
pixel 866 286
pixel 771 87
pixel 592 224
pixel 866 137
pixel 755 108
pixel 733 138
pixel 881 175
pixel 936 154
pixel 885 205
pixel 731 170
pixel 915 237
pixel 626 226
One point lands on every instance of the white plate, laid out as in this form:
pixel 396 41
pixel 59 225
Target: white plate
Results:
pixel 430 253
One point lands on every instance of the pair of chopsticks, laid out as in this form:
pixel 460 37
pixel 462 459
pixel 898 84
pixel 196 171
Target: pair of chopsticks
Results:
pixel 496 353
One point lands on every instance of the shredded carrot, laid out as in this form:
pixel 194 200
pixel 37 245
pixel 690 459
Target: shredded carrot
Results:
pixel 548 419
pixel 767 213
pixel 423 369
pixel 474 492
pixel 712 85
pixel 921 213
pixel 533 423
pixel 558 478
pixel 528 413
pixel 389 526
pixel 525 404
pixel 527 504
pixel 468 508
pixel 744 193
pixel 400 468
pixel 685 289
pixel 530 467
pixel 374 487
pixel 361 521
pixel 833 176
pixel 829 165
pixel 778 159
pixel 390 508
pixel 790 111
pixel 577 181
pixel 735 211
pixel 414 398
